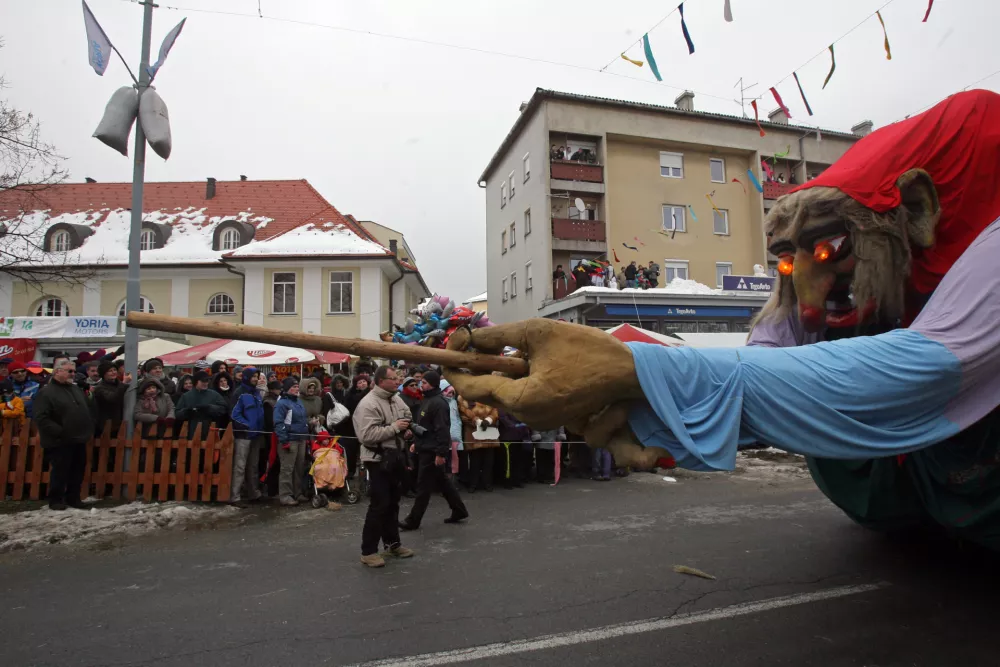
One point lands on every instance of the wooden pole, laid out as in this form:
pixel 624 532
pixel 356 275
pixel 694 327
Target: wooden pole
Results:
pixel 473 361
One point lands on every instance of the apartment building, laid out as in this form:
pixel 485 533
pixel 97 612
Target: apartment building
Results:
pixel 267 253
pixel 580 177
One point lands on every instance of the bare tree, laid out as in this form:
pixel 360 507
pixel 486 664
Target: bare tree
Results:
pixel 29 169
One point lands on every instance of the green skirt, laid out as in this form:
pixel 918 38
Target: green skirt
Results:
pixel 953 486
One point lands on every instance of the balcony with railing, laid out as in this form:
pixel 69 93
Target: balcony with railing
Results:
pixel 573 170
pixel 579 230
pixel 774 189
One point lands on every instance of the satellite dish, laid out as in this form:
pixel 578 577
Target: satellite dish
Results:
pixel 580 206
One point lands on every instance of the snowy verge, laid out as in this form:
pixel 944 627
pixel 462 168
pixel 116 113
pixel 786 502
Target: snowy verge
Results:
pixel 34 528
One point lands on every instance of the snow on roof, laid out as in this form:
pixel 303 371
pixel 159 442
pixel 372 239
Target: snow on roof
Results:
pixel 675 286
pixel 476 299
pixel 310 239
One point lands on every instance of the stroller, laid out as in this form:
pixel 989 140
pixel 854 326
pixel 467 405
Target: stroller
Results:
pixel 328 471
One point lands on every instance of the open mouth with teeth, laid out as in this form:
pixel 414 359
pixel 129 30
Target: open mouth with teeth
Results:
pixel 840 310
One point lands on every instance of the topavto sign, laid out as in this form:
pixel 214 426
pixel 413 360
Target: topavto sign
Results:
pixel 747 284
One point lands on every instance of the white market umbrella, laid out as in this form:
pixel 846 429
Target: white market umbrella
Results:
pixel 157 347
pixel 248 353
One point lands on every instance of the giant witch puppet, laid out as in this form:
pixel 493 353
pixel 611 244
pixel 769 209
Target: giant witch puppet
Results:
pixel 877 357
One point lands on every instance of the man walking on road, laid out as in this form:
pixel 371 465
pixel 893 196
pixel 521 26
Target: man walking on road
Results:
pixel 381 422
pixel 65 421
pixel 433 444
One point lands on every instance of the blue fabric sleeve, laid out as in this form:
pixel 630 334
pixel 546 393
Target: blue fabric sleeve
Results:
pixel 863 397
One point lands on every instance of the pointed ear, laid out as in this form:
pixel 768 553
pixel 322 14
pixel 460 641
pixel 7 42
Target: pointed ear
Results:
pixel 921 201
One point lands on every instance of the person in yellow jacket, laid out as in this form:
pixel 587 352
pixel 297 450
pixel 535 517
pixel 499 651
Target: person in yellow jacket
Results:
pixel 11 407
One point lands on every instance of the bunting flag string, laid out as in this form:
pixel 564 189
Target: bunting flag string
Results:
pixel 930 3
pixel 888 52
pixel 727 12
pixel 630 247
pixel 637 63
pixel 756 117
pixel 788 149
pixel 684 29
pixel 649 57
pixel 802 94
pixel 777 98
pixel 617 261
pixel 693 216
pixel 767 169
pixel 753 179
pixel 736 180
pixel 833 66
pixel 636 238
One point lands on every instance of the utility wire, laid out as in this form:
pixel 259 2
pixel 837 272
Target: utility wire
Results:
pixel 655 26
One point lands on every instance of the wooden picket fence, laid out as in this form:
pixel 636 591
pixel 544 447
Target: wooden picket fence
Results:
pixel 163 468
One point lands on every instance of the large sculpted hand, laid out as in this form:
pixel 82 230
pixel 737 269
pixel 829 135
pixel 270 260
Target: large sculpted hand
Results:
pixel 580 378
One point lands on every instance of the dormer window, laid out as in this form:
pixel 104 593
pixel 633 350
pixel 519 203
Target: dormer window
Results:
pixel 230 239
pixel 154 235
pixel 61 241
pixel 147 241
pixel 231 234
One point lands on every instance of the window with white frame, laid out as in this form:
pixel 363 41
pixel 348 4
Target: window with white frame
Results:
pixel 673 218
pixel 503 241
pixel 147 240
pixel 721 221
pixel 527 221
pixel 221 304
pixel 718 168
pixel 671 164
pixel 60 241
pixel 145 306
pixel 527 276
pixel 341 292
pixel 513 234
pixel 283 293
pixel 503 194
pixel 722 269
pixel 526 164
pixel 513 284
pixel 52 307
pixel 230 239
pixel 675 268
pixel 510 179
pixel 504 290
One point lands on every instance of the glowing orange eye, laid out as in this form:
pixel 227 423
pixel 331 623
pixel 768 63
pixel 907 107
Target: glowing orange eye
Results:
pixel 785 266
pixel 822 252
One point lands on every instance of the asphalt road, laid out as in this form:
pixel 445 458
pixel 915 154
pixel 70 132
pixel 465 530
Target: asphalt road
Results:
pixel 580 574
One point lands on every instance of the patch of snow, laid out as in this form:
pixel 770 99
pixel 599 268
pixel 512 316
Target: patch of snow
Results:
pixel 312 240
pixel 675 286
pixel 31 529
pixel 476 299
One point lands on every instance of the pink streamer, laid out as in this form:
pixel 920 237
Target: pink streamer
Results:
pixel 454 457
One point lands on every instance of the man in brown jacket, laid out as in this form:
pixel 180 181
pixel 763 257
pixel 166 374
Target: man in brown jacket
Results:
pixel 382 424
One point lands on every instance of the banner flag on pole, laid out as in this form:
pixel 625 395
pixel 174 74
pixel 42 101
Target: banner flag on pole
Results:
pixel 637 63
pixel 756 116
pixel 777 98
pixel 888 52
pixel 802 94
pixel 930 4
pixel 168 43
pixel 649 57
pixel 727 12
pixel 98 45
pixel 753 179
pixel 684 29
pixel 833 66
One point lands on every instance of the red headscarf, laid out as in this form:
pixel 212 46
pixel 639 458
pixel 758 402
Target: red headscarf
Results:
pixel 957 142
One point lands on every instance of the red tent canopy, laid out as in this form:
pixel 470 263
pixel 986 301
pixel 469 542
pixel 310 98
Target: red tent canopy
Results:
pixel 627 333
pixel 192 354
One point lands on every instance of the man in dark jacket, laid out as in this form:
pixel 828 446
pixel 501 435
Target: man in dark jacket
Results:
pixel 433 445
pixel 201 406
pixel 65 420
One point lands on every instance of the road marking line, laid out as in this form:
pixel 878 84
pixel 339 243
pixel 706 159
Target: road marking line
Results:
pixel 620 630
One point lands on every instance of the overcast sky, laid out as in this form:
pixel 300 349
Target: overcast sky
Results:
pixel 398 131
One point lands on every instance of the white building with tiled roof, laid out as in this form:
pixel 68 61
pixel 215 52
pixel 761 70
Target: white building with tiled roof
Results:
pixel 268 253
